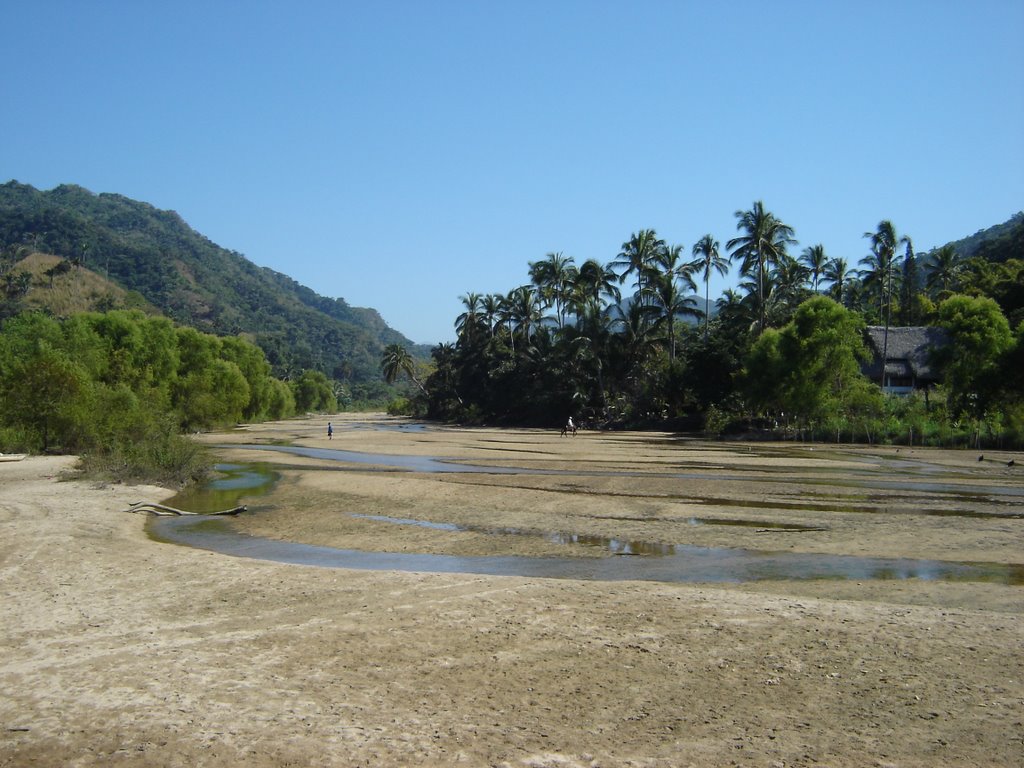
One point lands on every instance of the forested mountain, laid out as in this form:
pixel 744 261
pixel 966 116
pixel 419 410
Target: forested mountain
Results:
pixel 196 282
pixel 996 244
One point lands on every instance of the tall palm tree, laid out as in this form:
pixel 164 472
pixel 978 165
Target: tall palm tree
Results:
pixel 763 244
pixel 708 260
pixel 789 279
pixel 872 276
pixel 666 301
pixel 490 308
pixel 814 259
pixel 669 261
pixel 468 323
pixel 524 312
pixel 637 254
pixel 884 242
pixel 837 272
pixel 553 278
pixel 596 281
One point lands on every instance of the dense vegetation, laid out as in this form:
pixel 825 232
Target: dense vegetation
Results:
pixel 783 352
pixel 121 387
pixel 162 262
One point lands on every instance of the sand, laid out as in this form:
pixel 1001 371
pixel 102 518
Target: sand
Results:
pixel 119 650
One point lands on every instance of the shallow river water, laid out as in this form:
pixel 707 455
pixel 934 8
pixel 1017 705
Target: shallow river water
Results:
pixel 620 560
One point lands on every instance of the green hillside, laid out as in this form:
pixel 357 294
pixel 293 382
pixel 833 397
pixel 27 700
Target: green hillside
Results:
pixel 995 244
pixel 196 282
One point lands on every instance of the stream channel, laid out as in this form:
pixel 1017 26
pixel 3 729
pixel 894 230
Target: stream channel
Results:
pixel 625 560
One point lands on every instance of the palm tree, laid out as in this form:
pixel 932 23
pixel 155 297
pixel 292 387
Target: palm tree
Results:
pixel 666 301
pixel 637 255
pixel 814 259
pixel 763 244
pixel 594 281
pixel 837 272
pixel 669 261
pixel 395 360
pixel 553 277
pixel 490 308
pixel 789 281
pixel 884 242
pixel 633 335
pixel 944 269
pixel 467 324
pixel 708 259
pixel 524 312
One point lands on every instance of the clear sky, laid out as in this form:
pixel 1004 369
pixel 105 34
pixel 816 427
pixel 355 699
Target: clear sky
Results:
pixel 401 154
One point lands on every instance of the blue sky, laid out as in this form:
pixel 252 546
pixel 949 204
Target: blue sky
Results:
pixel 401 154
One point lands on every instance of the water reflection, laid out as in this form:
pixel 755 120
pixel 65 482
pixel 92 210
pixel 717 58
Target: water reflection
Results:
pixel 232 483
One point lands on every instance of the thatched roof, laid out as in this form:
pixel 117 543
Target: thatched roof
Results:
pixel 908 352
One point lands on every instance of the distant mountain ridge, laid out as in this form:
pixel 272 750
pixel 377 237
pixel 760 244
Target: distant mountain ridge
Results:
pixel 196 282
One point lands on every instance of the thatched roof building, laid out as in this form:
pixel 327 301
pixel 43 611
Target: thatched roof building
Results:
pixel 909 356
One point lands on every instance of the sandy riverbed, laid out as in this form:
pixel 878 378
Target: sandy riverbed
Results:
pixel 118 650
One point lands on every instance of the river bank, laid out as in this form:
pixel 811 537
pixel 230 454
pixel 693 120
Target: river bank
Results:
pixel 121 650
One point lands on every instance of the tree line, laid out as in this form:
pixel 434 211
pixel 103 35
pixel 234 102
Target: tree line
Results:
pixel 638 341
pixel 121 388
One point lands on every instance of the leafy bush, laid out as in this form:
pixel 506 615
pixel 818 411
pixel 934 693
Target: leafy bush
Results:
pixel 162 457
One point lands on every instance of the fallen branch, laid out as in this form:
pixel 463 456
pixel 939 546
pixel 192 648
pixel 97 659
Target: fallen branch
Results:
pixel 788 530
pixel 147 507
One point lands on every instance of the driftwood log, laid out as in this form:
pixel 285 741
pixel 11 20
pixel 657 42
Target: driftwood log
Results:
pixel 151 508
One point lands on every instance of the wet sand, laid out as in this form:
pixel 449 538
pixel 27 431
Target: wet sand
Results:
pixel 120 650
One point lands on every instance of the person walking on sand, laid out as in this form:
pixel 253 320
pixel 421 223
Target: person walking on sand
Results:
pixel 330 431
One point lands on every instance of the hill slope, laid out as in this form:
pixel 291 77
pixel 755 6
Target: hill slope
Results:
pixel 196 282
pixel 996 244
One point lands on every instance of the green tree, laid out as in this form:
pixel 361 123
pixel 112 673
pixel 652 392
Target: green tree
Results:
pixel 811 368
pixel 44 392
pixel 313 392
pixel 909 287
pixel 979 336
